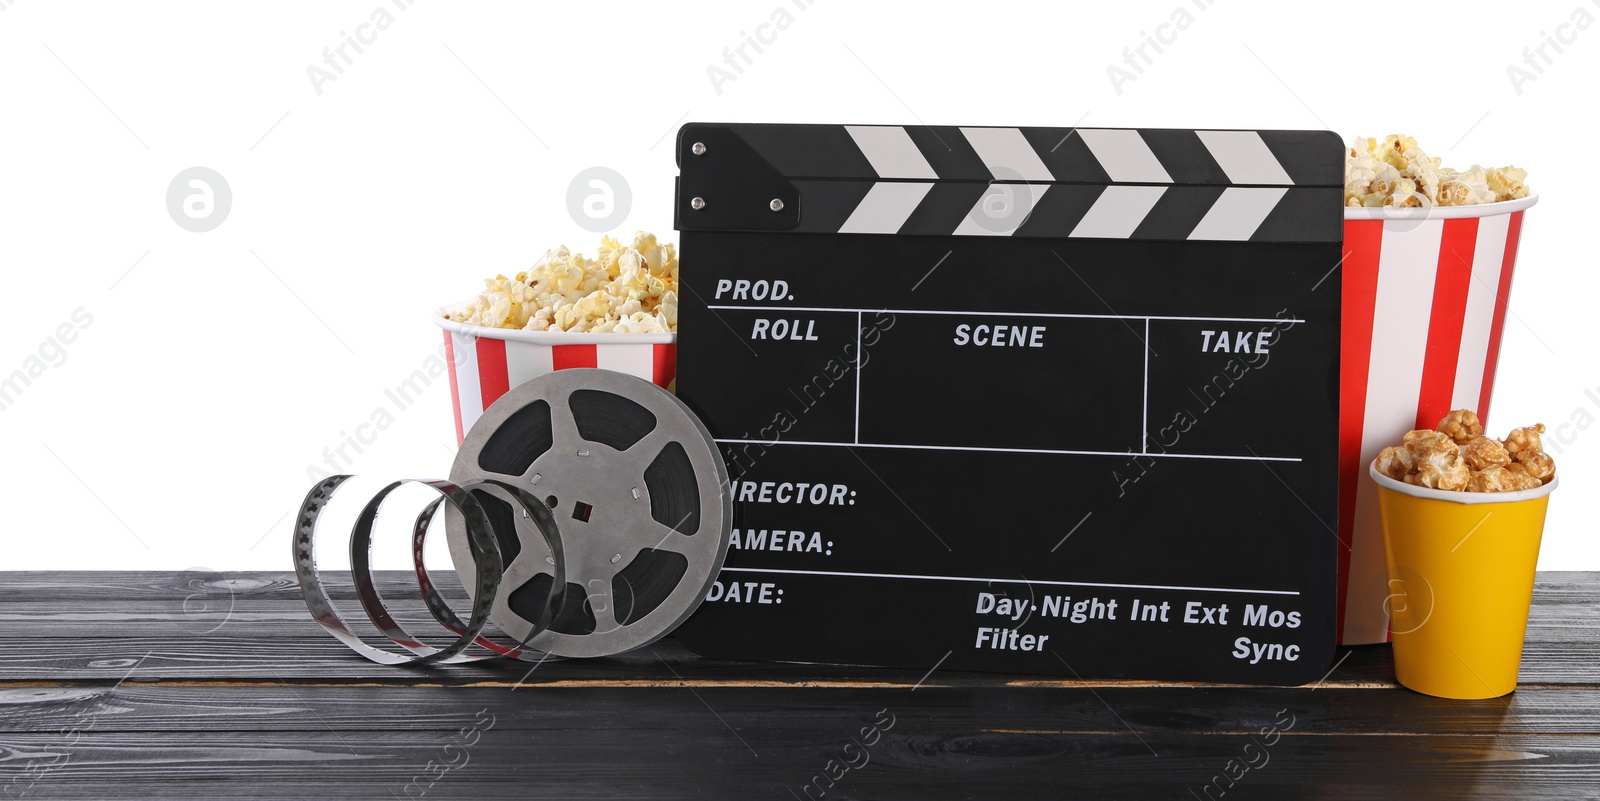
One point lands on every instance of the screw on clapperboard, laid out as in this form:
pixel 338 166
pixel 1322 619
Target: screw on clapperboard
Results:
pixel 699 149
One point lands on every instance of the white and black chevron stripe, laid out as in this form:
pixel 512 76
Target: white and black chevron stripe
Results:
pixel 1101 183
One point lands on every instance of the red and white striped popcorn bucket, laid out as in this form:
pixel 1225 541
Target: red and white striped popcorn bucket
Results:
pixel 1425 294
pixel 485 363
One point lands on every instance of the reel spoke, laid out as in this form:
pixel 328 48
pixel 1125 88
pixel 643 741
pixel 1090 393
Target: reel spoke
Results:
pixel 564 433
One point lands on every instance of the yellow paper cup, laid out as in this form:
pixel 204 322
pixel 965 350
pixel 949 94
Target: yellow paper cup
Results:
pixel 1461 570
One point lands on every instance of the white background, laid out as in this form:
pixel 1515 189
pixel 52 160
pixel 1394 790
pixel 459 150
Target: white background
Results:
pixel 223 363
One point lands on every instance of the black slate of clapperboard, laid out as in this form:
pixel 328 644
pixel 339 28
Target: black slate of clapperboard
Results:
pixel 1121 454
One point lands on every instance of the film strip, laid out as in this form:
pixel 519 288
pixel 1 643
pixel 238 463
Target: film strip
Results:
pixel 486 581
pixel 586 515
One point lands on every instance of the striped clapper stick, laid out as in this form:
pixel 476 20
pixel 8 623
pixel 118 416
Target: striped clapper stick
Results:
pixel 1034 400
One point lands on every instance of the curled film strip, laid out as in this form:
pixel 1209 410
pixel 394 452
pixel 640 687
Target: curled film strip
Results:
pixel 643 483
pixel 486 582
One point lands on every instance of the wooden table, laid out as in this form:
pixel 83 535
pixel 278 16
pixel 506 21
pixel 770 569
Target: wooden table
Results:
pixel 219 686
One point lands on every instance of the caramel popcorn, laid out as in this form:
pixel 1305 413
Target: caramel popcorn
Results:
pixel 1462 425
pixel 1500 479
pixel 1483 453
pixel 1397 172
pixel 1448 473
pixel 1424 441
pixel 1519 468
pixel 626 289
pixel 1436 461
pixel 1395 462
pixel 1524 479
pixel 1527 440
pixel 1457 456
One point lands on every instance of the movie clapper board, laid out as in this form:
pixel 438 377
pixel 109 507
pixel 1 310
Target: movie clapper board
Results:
pixel 1038 400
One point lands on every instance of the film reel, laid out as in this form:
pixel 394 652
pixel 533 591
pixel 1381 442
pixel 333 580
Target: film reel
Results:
pixel 638 486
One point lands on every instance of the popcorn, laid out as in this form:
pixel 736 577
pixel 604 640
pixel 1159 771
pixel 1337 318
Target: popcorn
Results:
pixel 1462 425
pixel 1395 462
pixel 1437 462
pixel 1425 444
pixel 1521 471
pixel 1482 453
pixel 1525 440
pixel 1446 474
pixel 626 289
pixel 1539 465
pixel 1527 449
pixel 1500 479
pixel 1397 172
pixel 1457 456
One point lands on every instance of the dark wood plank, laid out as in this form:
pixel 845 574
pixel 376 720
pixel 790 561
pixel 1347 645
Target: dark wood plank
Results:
pixel 138 707
pixel 779 762
pixel 254 627
pixel 228 690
